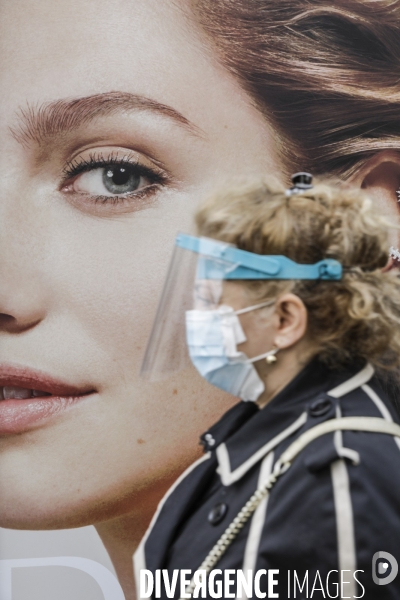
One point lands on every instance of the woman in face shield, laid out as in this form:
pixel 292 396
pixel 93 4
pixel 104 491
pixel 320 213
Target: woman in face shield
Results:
pixel 287 305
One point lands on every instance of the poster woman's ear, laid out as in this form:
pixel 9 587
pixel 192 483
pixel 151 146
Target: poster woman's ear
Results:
pixel 380 176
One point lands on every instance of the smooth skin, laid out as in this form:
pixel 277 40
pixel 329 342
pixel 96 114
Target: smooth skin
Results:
pixel 81 267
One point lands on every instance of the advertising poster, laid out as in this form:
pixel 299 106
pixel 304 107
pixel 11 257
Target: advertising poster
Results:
pixel 118 118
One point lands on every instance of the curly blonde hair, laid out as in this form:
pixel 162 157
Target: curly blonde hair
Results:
pixel 357 317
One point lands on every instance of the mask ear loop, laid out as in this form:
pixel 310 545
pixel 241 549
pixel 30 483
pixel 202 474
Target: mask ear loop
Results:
pixel 267 355
pixel 271 353
pixel 250 308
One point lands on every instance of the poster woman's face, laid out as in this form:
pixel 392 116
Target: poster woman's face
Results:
pixel 115 120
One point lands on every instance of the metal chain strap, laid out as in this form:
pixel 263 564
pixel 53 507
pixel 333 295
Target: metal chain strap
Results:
pixel 373 424
pixel 238 523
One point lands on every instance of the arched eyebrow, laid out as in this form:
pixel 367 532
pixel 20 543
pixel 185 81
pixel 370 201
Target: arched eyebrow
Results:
pixel 38 123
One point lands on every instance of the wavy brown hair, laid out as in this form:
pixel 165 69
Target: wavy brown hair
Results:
pixel 325 74
pixel 355 318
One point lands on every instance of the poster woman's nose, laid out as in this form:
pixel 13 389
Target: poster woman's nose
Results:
pixel 20 309
pixel 22 299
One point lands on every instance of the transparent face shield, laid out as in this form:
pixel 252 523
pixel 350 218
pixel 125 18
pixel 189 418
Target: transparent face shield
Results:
pixel 194 282
pixel 192 303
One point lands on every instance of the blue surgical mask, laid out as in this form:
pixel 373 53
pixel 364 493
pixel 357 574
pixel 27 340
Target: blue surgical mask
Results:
pixel 212 337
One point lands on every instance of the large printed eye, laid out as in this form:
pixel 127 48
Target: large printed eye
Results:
pixel 111 180
pixel 101 177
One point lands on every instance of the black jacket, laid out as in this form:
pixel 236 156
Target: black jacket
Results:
pixel 332 511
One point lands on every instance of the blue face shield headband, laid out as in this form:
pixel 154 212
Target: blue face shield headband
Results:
pixel 247 265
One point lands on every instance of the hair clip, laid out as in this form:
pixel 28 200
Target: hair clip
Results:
pixel 301 181
pixel 394 253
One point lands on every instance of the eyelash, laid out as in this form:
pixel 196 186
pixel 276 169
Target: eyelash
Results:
pixel 80 165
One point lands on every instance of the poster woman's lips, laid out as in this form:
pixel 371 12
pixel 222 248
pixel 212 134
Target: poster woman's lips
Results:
pixel 29 398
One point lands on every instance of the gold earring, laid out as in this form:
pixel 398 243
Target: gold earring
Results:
pixel 270 358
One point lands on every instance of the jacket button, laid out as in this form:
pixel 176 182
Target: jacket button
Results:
pixel 217 513
pixel 209 439
pixel 320 407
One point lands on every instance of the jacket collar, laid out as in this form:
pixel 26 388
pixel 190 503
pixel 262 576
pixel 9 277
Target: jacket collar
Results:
pixel 262 430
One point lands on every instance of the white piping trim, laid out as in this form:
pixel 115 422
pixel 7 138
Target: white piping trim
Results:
pixel 343 452
pixel 378 403
pixel 228 477
pixel 258 519
pixel 139 557
pixel 344 522
pixel 354 382
pixel 381 407
pixel 370 424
